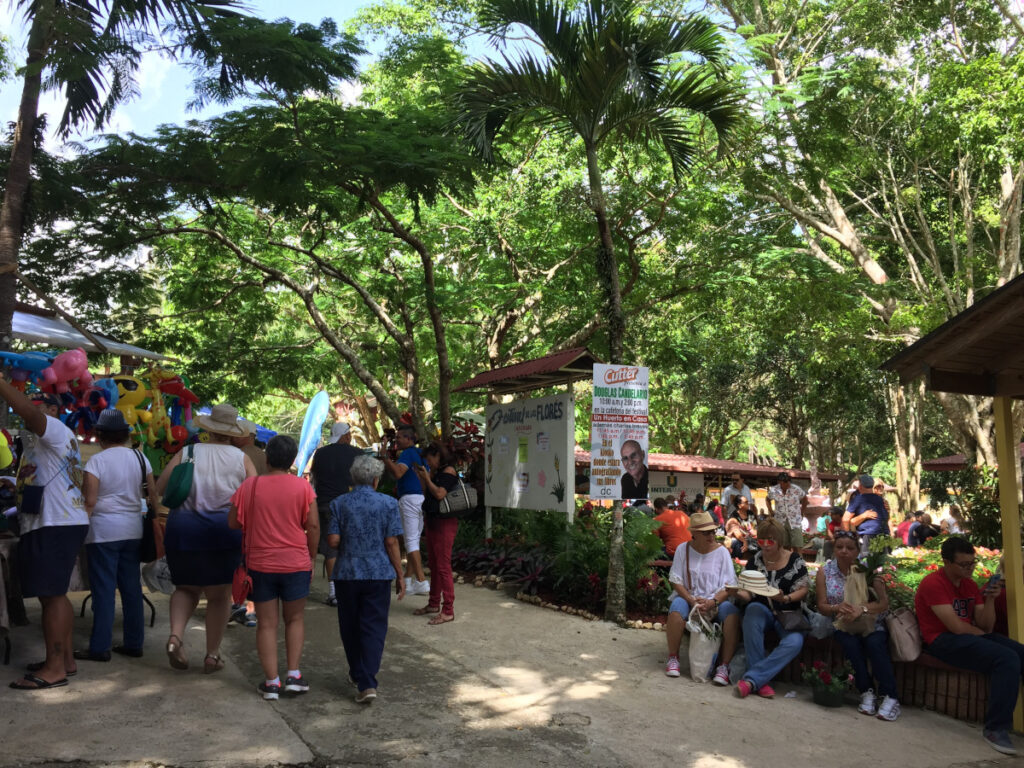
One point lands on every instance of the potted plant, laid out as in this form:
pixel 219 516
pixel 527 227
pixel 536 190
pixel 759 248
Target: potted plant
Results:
pixel 828 687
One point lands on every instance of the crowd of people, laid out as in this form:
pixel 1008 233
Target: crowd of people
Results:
pixel 243 505
pixel 959 621
pixel 245 502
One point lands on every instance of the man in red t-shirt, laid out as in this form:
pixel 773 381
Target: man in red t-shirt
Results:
pixel 956 620
pixel 675 526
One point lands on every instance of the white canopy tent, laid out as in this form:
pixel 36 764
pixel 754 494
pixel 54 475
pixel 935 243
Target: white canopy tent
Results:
pixel 46 328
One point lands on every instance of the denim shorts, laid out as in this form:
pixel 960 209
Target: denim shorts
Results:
pixel 46 558
pixel 680 606
pixel 283 586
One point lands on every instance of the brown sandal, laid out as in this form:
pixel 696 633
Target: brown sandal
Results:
pixel 212 663
pixel 441 618
pixel 425 610
pixel 176 652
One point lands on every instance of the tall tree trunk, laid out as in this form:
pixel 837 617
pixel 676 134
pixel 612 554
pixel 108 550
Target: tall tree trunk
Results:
pixel 19 174
pixel 608 274
pixel 905 417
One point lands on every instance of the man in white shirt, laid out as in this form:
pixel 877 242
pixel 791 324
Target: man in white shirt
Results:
pixel 789 501
pixel 736 488
pixel 53 524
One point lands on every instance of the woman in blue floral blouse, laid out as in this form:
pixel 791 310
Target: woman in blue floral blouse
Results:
pixel 364 527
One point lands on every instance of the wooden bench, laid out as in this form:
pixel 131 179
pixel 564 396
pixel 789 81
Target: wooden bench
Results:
pixel 926 682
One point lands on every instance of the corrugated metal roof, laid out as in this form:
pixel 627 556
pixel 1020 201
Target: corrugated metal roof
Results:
pixel 47 329
pixel 551 370
pixel 673 462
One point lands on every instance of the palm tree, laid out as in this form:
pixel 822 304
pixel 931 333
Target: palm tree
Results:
pixel 92 50
pixel 603 69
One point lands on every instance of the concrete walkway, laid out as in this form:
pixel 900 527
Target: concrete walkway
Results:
pixel 507 684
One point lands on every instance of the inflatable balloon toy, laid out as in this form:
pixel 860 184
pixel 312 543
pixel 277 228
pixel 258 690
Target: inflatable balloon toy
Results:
pixel 176 388
pixel 26 366
pixel 176 439
pixel 86 411
pixel 109 387
pixel 69 366
pixel 131 392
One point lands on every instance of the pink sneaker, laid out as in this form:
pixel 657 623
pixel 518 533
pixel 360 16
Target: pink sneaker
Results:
pixel 766 692
pixel 672 668
pixel 743 689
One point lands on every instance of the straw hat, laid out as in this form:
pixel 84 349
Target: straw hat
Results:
pixel 223 420
pixel 754 582
pixel 702 521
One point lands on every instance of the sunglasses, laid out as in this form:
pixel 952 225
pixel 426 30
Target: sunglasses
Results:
pixel 710 532
pixel 766 542
pixel 845 535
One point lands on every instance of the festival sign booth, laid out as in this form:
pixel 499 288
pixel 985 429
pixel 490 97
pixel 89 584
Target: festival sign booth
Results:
pixel 981 352
pixel 529 442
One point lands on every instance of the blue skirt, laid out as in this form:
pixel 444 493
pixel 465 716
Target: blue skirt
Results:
pixel 202 550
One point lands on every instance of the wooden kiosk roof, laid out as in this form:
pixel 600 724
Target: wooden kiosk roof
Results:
pixel 978 352
pixel 556 369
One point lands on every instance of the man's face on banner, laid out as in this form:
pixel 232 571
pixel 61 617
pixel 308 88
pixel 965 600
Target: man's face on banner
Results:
pixel 633 459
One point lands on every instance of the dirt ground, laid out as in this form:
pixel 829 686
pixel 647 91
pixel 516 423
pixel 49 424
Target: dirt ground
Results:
pixel 507 684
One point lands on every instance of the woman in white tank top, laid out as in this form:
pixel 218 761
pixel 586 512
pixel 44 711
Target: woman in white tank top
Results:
pixel 202 551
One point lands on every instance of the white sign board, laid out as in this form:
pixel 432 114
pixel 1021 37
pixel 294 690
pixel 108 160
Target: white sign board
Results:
pixel 529 453
pixel 673 483
pixel 618 433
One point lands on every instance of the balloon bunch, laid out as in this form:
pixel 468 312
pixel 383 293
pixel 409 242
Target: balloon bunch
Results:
pixel 157 403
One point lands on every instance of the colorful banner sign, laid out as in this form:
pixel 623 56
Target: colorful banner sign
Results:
pixel 618 433
pixel 529 455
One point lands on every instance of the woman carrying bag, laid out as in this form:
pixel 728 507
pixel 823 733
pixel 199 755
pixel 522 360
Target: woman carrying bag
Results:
pixel 439 532
pixel 202 551
pixel 700 570
pixel 113 491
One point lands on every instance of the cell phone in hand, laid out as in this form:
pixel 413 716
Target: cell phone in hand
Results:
pixel 994 580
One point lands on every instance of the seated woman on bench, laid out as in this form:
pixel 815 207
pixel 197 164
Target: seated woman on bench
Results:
pixel 700 570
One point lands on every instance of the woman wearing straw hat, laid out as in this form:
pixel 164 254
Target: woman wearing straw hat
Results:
pixel 772 588
pixel 112 488
pixel 202 551
pixel 700 570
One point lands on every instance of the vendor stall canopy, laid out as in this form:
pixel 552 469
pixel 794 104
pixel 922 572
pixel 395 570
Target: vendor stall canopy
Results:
pixel 40 326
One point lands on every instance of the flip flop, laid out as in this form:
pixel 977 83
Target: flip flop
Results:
pixel 425 610
pixel 35 666
pixel 441 618
pixel 40 684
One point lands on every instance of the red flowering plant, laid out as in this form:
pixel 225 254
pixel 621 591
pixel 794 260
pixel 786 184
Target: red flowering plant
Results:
pixel 820 677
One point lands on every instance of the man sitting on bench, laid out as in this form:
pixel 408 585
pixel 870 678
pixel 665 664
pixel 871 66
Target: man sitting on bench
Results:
pixel 956 620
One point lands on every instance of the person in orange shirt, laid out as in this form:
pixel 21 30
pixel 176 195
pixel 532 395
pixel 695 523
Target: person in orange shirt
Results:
pixel 675 526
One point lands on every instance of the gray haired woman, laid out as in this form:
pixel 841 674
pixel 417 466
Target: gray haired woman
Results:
pixel 364 527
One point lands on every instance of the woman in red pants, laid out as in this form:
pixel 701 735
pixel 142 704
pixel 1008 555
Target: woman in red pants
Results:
pixel 438 478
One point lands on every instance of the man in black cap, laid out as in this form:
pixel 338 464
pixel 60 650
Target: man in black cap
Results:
pixel 866 514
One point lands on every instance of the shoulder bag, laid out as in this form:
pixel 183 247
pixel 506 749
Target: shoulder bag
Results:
pixel 147 546
pixel 241 581
pixel 180 484
pixel 904 635
pixel 457 500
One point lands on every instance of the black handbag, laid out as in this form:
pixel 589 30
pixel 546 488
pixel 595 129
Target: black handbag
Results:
pixel 147 546
pixel 793 621
pixel 458 500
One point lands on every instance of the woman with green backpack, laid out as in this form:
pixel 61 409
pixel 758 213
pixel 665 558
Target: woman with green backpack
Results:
pixel 202 551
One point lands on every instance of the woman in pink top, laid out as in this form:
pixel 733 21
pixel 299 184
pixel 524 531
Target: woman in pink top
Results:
pixel 280 533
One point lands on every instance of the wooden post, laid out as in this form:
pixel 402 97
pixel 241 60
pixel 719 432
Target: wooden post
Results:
pixel 1008 456
pixel 487 523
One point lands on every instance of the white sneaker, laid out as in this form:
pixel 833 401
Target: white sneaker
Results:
pixel 889 710
pixel 408 584
pixel 419 588
pixel 868 703
pixel 672 667
pixel 721 675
